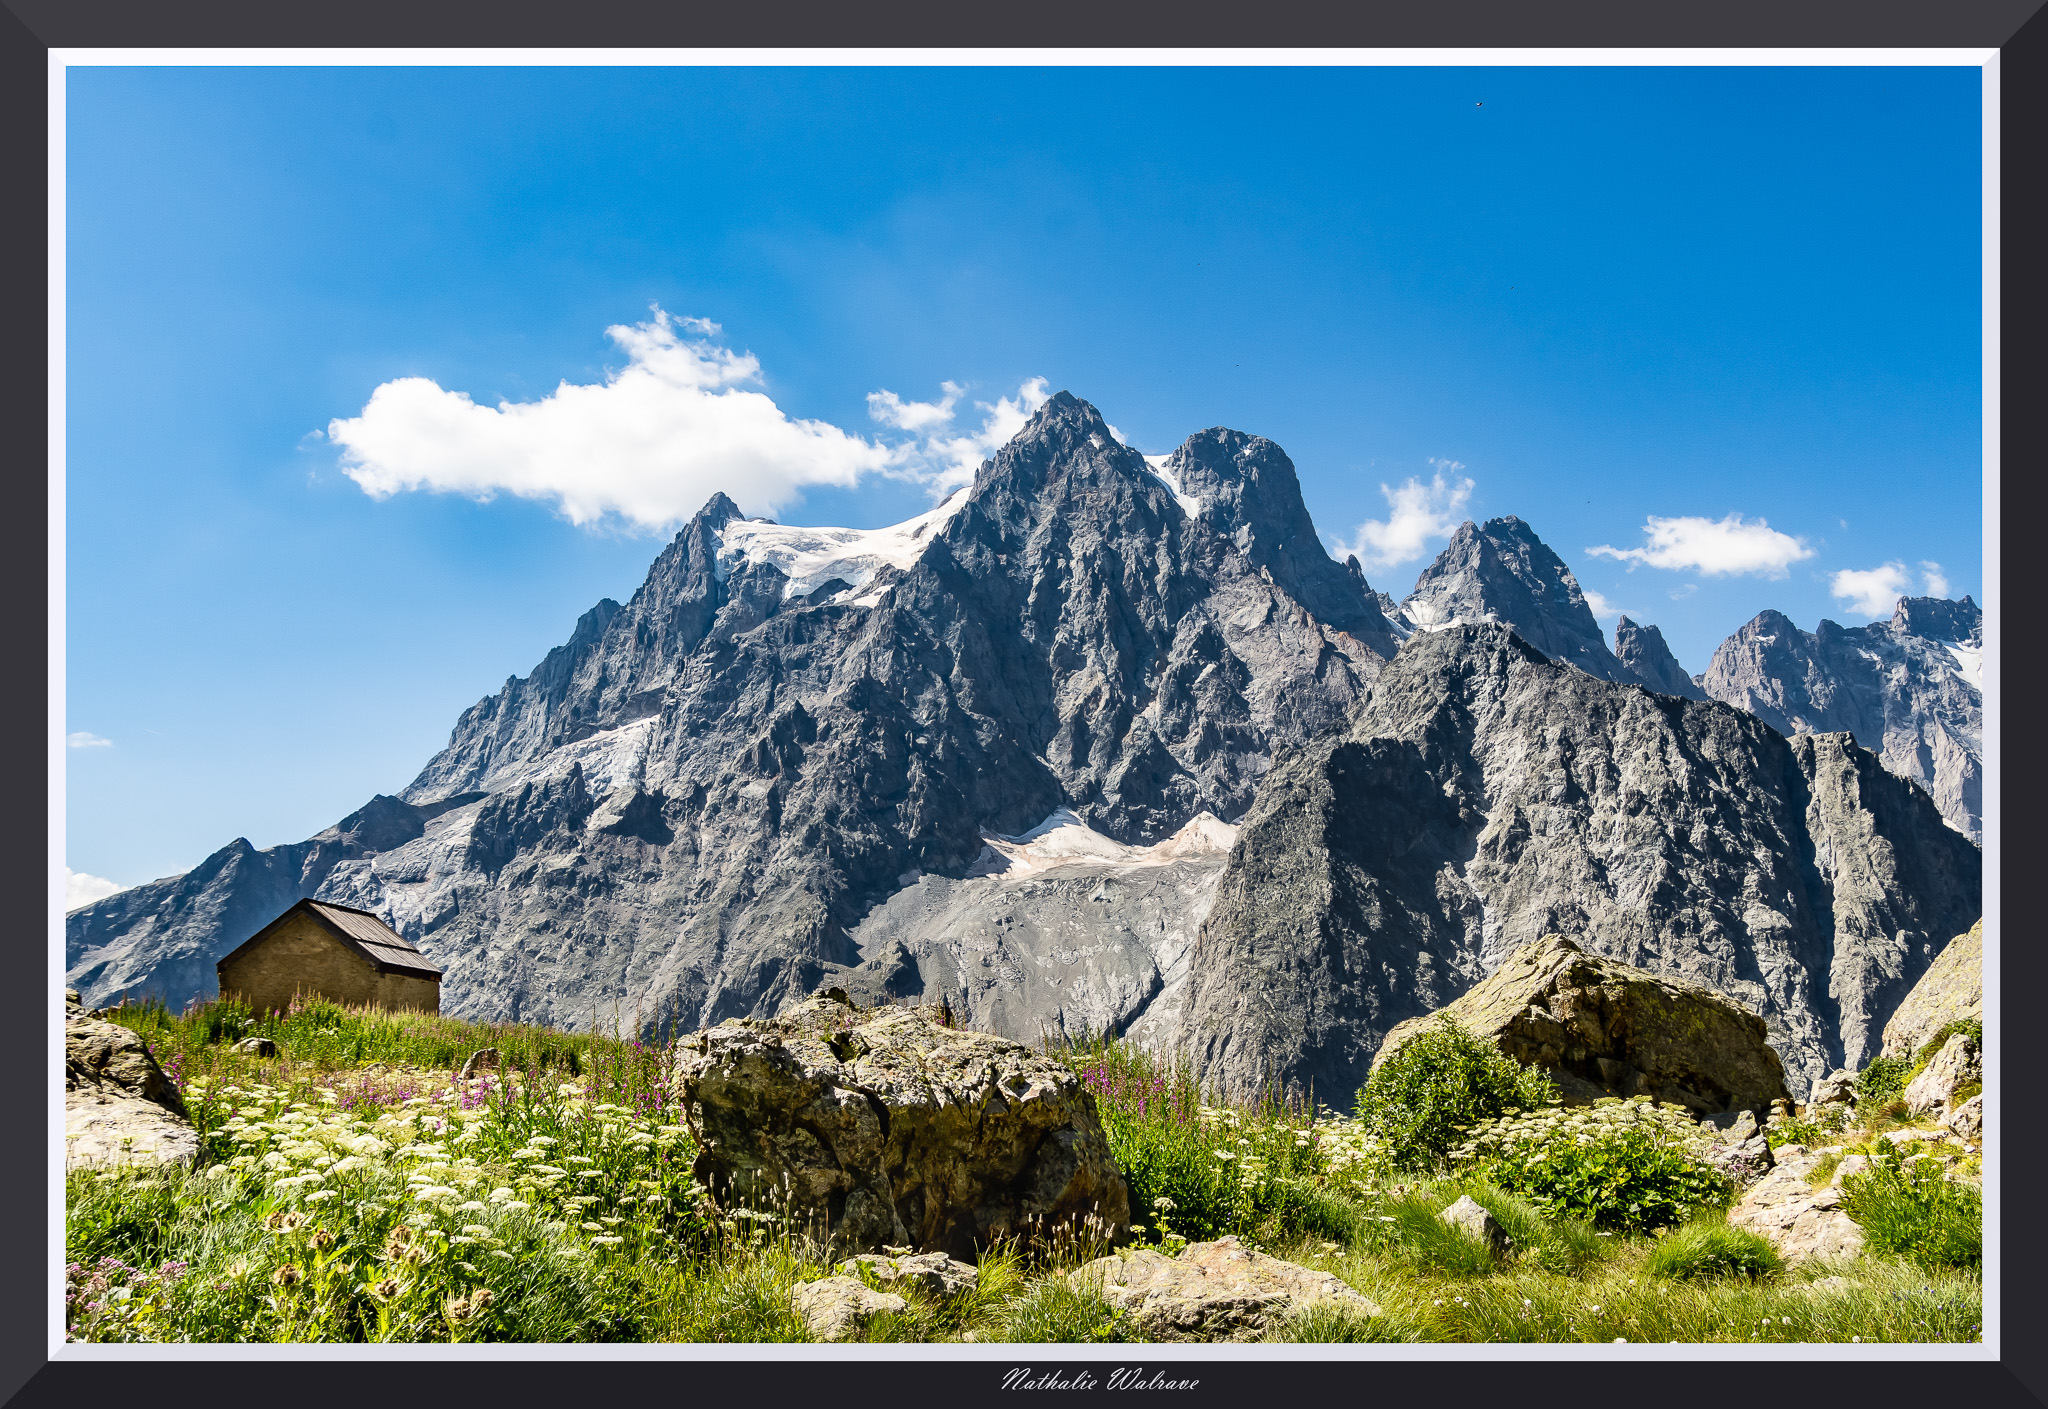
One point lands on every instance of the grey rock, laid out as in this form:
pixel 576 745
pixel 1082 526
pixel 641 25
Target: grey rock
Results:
pixel 1215 1291
pixel 1838 1087
pixel 1909 689
pixel 1966 1121
pixel 886 1129
pixel 1802 1222
pixel 1642 650
pixel 1956 1065
pixel 1059 932
pixel 932 1273
pixel 1500 571
pixel 1744 1158
pixel 1485 796
pixel 257 1047
pixel 1469 1218
pixel 837 1307
pixel 119 1107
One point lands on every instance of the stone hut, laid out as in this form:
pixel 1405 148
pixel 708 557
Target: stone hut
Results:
pixel 333 951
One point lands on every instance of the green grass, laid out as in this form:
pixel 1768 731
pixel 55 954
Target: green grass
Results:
pixel 557 1205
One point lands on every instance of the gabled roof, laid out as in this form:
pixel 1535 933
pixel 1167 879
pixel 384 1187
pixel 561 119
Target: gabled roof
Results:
pixel 359 930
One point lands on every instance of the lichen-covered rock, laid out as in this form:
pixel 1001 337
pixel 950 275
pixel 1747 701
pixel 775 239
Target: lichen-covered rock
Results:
pixel 933 1273
pixel 1966 1122
pixel 119 1107
pixel 1602 1028
pixel 1212 1291
pixel 1952 990
pixel 1471 1219
pixel 888 1129
pixel 1800 1221
pixel 1956 1065
pixel 836 1307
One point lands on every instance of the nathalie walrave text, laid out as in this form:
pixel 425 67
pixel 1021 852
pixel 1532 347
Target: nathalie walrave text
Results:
pixel 1123 1377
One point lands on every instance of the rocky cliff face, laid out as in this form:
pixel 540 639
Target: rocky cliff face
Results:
pixel 1910 689
pixel 1485 796
pixel 691 804
pixel 1642 650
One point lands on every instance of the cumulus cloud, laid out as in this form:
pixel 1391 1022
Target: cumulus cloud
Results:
pixel 84 740
pixel 1603 609
pixel 647 446
pixel 82 889
pixel 1872 592
pixel 1729 547
pixel 1934 579
pixel 1417 513
pixel 942 457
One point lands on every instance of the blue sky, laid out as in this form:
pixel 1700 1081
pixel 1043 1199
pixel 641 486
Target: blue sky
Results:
pixel 1597 296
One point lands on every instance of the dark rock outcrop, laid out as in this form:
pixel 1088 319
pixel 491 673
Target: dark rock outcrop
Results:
pixel 887 1129
pixel 1485 796
pixel 1910 690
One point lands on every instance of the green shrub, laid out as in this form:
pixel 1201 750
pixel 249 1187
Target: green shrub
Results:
pixel 1422 1099
pixel 1883 1080
pixel 1623 1165
pixel 1708 1249
pixel 1909 1210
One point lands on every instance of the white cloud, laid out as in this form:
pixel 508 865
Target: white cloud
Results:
pixel 1727 547
pixel 82 889
pixel 655 440
pixel 83 740
pixel 1419 512
pixel 944 461
pixel 1873 592
pixel 1935 579
pixel 1603 609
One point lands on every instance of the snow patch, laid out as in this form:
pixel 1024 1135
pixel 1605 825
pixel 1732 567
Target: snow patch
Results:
pixel 1969 662
pixel 810 557
pixel 1189 505
pixel 1063 839
pixel 610 759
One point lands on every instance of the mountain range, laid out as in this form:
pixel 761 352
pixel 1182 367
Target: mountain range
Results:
pixel 1104 742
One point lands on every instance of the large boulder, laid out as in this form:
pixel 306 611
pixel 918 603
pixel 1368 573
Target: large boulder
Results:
pixel 119 1107
pixel 1212 1291
pixel 837 1307
pixel 1800 1220
pixel 1602 1028
pixel 1952 990
pixel 890 1129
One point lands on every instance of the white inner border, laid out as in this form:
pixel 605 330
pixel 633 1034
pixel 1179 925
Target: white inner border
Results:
pixel 1046 1357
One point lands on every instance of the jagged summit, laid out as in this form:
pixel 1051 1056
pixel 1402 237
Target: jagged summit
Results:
pixel 1642 650
pixel 1501 571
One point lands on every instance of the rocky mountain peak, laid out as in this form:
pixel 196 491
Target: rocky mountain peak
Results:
pixel 1501 571
pixel 1642 649
pixel 1938 619
pixel 1245 487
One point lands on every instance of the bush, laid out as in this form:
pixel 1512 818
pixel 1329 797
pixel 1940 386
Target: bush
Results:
pixel 1708 1249
pixel 1444 1081
pixel 1883 1080
pixel 1624 1165
pixel 1968 1027
pixel 1909 1210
